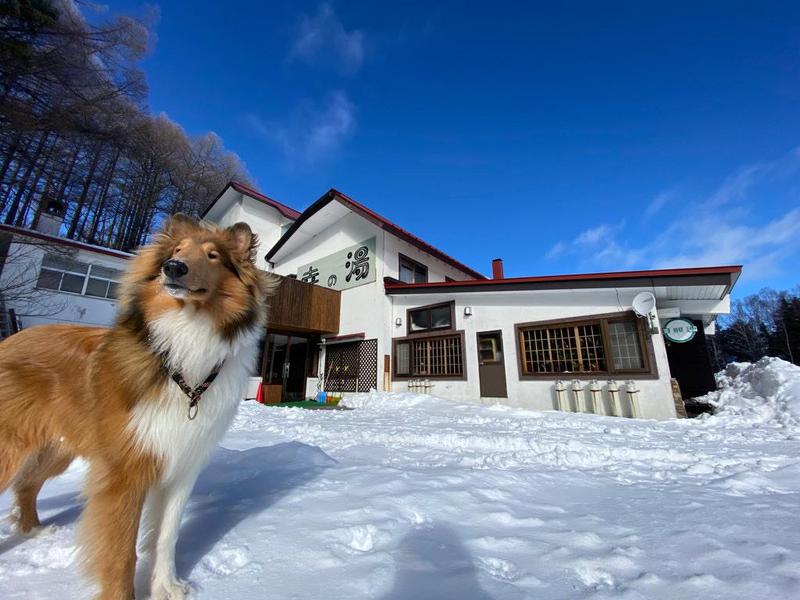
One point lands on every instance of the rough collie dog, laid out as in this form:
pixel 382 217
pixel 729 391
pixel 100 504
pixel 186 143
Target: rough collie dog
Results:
pixel 144 402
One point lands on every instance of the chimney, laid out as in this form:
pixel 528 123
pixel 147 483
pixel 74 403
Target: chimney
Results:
pixel 497 269
pixel 51 218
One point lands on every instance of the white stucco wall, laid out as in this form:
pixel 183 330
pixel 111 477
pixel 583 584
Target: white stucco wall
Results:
pixel 501 311
pixel 264 220
pixel 437 269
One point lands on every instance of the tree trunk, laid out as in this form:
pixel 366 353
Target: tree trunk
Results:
pixel 12 212
pixel 84 193
pixel 101 204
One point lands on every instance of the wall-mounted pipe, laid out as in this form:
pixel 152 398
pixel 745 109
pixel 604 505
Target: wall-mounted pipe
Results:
pixel 597 398
pixel 613 394
pixel 633 397
pixel 561 395
pixel 577 392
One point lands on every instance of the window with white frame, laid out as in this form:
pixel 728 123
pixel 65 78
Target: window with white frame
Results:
pixel 65 274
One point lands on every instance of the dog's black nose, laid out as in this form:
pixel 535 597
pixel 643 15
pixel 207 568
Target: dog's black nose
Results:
pixel 174 268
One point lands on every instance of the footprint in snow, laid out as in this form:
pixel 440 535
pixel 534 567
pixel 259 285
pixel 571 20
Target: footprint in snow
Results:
pixel 228 560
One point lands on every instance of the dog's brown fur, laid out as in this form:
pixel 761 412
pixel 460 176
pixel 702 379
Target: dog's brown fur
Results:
pixel 68 390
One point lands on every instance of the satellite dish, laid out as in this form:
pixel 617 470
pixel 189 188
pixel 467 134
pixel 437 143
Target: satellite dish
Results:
pixel 644 303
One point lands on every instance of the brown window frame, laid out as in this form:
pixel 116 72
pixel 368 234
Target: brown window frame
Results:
pixel 649 371
pixel 413 264
pixel 452 325
pixel 424 337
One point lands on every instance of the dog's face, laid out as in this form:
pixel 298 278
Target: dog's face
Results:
pixel 203 262
pixel 199 264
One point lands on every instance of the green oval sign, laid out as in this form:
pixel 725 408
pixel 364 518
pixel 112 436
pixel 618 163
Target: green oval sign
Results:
pixel 680 331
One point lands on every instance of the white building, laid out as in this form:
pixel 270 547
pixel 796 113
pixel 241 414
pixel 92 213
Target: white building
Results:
pixel 48 279
pixel 412 317
pixel 406 316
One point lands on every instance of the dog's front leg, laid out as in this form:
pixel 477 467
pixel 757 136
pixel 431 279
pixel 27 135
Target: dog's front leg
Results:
pixel 109 526
pixel 165 583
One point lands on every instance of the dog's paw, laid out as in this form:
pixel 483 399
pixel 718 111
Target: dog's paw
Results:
pixel 175 589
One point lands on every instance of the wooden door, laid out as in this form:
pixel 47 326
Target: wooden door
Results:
pixel 491 365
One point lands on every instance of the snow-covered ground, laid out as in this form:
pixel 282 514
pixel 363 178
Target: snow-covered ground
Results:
pixel 414 497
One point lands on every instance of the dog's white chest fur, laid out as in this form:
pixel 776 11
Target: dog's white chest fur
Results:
pixel 162 426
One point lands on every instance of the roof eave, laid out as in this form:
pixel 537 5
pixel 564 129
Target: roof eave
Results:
pixel 726 276
pixel 375 219
pixel 246 190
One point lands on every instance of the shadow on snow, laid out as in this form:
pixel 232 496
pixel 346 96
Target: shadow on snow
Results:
pixel 233 486
pixel 432 563
pixel 238 484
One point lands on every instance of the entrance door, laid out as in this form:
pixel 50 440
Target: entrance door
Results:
pixel 491 365
pixel 285 363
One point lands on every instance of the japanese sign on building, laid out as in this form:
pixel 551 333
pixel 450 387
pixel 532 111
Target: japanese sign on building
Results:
pixel 344 269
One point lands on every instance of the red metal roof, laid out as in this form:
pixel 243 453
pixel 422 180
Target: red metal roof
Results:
pixel 733 270
pixel 383 223
pixel 54 239
pixel 286 211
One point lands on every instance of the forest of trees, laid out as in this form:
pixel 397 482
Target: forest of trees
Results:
pixel 75 130
pixel 763 324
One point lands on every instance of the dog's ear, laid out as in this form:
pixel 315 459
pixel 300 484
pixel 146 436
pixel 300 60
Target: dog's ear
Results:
pixel 243 238
pixel 179 226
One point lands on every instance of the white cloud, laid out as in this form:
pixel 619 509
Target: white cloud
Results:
pixel 594 235
pixel 658 203
pixel 712 240
pixel 737 186
pixel 557 250
pixel 312 133
pixel 323 37
pixel 717 230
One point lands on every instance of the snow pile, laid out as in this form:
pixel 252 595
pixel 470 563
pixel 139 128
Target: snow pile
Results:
pixel 386 401
pixel 766 392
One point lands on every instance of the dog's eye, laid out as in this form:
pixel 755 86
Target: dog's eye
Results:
pixel 213 255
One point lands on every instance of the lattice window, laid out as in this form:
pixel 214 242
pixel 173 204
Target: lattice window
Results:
pixel 368 366
pixel 582 347
pixel 625 345
pixel 440 356
pixel 352 367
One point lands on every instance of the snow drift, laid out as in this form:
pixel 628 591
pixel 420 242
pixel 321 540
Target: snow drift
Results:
pixel 767 392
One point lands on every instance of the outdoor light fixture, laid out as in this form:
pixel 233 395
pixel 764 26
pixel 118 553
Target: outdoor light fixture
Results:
pixel 467 311
pixel 398 321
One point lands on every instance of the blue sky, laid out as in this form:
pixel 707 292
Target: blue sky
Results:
pixel 574 138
